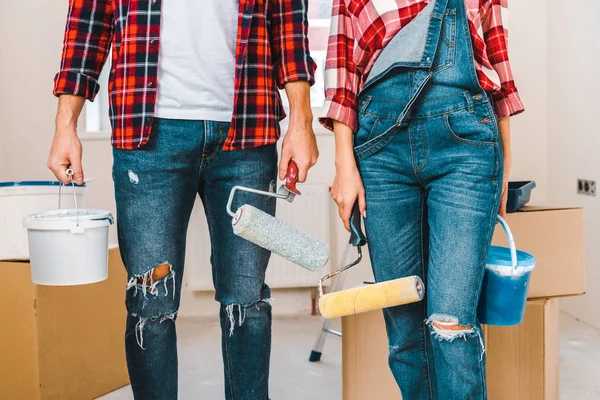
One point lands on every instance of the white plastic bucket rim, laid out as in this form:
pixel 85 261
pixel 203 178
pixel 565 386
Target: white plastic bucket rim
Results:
pixel 75 220
pixel 504 270
pixel 22 190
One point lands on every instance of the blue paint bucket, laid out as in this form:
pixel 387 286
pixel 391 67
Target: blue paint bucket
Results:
pixel 505 283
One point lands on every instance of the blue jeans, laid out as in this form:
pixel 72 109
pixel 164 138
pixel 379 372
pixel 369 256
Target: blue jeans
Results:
pixel 155 190
pixel 432 198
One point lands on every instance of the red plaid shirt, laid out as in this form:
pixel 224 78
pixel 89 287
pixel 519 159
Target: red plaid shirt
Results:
pixel 272 50
pixel 361 28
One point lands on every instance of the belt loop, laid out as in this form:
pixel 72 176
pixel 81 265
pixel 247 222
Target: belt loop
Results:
pixel 470 103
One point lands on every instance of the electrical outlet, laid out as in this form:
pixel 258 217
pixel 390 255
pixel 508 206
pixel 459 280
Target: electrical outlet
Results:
pixel 586 187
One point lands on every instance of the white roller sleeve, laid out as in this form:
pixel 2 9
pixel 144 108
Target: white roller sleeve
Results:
pixel 280 238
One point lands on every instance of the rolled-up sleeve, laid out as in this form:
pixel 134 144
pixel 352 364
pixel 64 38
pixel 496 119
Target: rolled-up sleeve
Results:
pixel 289 42
pixel 341 75
pixel 507 101
pixel 87 41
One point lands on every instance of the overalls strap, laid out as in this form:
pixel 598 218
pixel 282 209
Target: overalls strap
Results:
pixel 414 46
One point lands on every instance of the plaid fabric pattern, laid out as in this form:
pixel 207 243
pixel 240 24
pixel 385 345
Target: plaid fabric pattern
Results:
pixel 360 29
pixel 272 50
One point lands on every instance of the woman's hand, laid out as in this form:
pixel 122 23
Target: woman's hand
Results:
pixel 504 127
pixel 347 186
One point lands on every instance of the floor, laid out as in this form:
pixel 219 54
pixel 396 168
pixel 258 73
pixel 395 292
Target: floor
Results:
pixel 579 360
pixel 294 378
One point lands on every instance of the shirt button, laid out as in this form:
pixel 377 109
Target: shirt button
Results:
pixel 154 2
pixel 150 84
pixel 152 41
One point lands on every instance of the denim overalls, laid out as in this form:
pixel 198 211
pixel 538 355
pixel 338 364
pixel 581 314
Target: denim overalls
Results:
pixel 430 155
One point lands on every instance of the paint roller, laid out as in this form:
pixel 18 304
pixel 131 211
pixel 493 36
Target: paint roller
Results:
pixel 275 235
pixel 369 297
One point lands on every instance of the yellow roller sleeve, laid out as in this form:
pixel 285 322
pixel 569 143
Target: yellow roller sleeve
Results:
pixel 372 297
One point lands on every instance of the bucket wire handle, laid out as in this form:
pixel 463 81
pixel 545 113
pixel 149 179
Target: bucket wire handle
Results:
pixel 69 173
pixel 511 243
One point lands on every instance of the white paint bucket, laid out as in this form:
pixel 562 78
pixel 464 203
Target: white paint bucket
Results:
pixel 68 247
pixel 18 199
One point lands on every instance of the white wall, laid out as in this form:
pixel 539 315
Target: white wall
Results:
pixel 528 50
pixel 27 108
pixel 574 137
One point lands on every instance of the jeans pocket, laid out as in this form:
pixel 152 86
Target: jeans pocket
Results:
pixel 474 129
pixel 366 124
pixel 370 128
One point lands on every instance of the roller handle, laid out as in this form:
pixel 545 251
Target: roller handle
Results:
pixel 357 237
pixel 292 177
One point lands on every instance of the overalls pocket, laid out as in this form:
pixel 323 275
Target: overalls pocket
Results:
pixel 375 127
pixel 478 128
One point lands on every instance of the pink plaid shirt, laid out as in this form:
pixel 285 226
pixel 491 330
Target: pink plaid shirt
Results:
pixel 360 29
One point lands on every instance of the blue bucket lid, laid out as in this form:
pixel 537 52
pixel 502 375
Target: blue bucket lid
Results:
pixel 34 183
pixel 500 256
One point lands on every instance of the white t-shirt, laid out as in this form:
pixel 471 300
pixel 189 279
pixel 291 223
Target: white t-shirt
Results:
pixel 196 63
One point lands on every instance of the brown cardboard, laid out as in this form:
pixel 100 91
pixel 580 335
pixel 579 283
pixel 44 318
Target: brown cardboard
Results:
pixel 365 372
pixel 61 342
pixel 522 361
pixel 556 237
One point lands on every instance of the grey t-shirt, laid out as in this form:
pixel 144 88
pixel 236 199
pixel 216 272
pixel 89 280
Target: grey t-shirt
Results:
pixel 196 63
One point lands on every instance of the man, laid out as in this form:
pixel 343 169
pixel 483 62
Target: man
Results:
pixel 197 117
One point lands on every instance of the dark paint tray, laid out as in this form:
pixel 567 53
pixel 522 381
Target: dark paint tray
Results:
pixel 519 193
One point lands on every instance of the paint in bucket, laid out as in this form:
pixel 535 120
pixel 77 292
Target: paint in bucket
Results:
pixel 505 283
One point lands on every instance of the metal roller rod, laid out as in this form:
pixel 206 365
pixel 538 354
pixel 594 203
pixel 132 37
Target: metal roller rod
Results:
pixel 285 196
pixel 339 271
pixel 333 332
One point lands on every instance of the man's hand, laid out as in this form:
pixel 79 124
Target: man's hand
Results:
pixel 66 148
pixel 300 143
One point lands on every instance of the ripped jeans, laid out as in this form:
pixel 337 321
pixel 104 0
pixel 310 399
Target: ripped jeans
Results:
pixel 155 190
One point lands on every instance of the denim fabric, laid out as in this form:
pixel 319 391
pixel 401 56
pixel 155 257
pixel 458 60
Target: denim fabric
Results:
pixel 155 189
pixel 430 156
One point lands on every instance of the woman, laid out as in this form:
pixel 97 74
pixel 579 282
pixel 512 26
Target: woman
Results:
pixel 419 95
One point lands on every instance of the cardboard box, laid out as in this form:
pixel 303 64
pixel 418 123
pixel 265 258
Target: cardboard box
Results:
pixel 556 237
pixel 61 342
pixel 365 371
pixel 522 361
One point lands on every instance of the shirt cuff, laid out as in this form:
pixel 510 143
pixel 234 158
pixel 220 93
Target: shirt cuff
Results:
pixel 297 77
pixel 333 110
pixel 75 83
pixel 507 105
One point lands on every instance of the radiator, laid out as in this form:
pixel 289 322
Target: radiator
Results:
pixel 309 212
